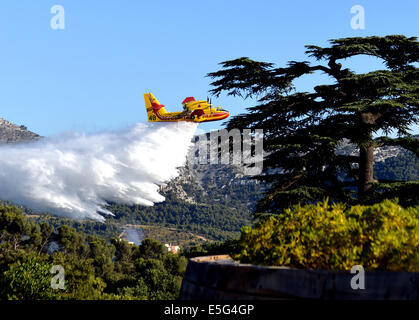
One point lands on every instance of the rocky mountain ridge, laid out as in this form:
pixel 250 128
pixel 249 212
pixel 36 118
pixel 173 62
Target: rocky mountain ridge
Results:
pixel 380 154
pixel 12 133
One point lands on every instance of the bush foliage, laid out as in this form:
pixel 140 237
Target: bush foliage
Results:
pixel 383 236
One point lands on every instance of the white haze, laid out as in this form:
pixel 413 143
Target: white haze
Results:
pixel 74 175
pixel 133 235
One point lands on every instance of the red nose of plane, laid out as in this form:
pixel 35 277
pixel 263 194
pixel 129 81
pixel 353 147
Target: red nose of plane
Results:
pixel 225 114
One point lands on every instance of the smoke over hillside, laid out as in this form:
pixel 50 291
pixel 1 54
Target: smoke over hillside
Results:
pixel 73 175
pixel 133 235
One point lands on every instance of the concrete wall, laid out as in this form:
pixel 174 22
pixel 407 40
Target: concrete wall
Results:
pixel 220 278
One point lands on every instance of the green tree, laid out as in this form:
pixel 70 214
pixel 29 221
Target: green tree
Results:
pixel 15 231
pixel 102 255
pixel 46 232
pixel 151 249
pixel 72 242
pixel 160 284
pixel 81 280
pixel 124 253
pixel 28 280
pixel 175 264
pixel 303 129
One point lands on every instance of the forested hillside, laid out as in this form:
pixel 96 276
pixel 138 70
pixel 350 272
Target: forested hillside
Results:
pixel 92 268
pixel 403 167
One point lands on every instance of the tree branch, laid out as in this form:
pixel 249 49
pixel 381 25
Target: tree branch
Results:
pixel 408 143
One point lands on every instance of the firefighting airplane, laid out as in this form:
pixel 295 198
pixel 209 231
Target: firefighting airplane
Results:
pixel 193 111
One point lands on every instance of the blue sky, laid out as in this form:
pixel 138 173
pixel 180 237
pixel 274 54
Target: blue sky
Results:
pixel 91 76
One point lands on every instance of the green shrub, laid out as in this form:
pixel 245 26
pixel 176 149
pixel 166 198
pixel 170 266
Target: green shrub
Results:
pixel 28 280
pixel 382 236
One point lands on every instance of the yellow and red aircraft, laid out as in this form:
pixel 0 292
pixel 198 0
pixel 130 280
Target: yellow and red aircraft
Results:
pixel 194 111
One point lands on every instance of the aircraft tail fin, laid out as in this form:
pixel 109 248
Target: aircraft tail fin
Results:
pixel 153 107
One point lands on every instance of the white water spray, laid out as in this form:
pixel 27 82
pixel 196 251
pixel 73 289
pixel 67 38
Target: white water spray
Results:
pixel 74 175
